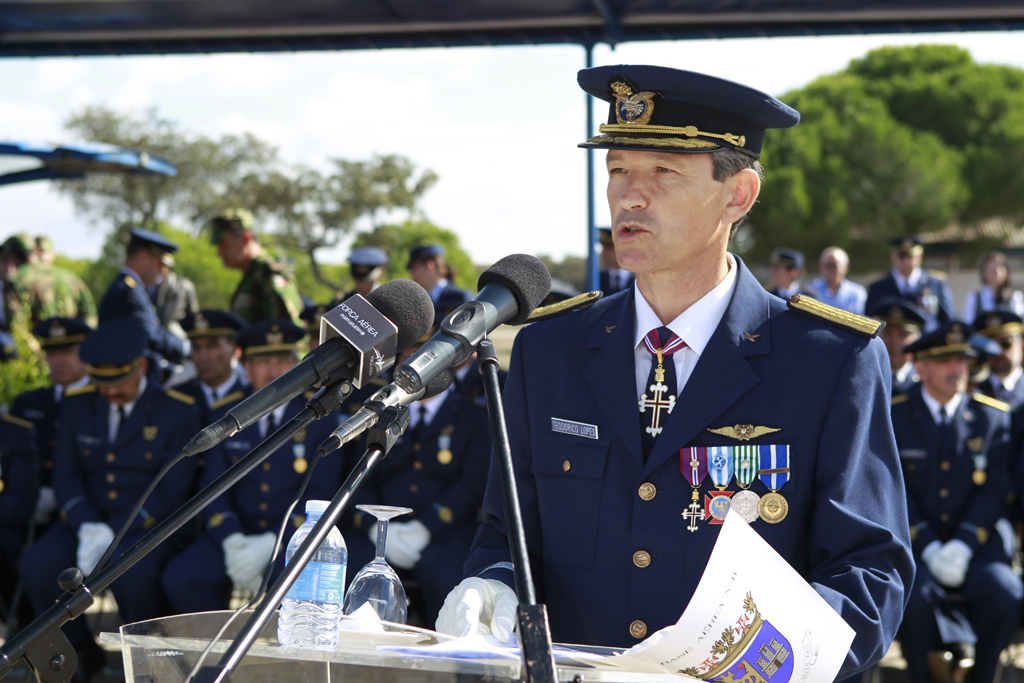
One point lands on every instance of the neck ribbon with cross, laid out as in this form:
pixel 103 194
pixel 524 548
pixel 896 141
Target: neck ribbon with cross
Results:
pixel 658 400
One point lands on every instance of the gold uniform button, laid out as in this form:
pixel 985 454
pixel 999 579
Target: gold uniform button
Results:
pixel 149 456
pixel 112 495
pixel 648 491
pixel 416 447
pixel 264 487
pixel 110 478
pixel 982 536
pixel 417 465
pixel 638 629
pixel 86 451
pixel 110 457
pixel 266 467
pixel 943 517
pixel 641 558
pixel 566 466
pixel 445 515
pixel 263 506
pixel 943 493
pixel 414 488
pixel 911 467
pixel 945 465
pixel 263 524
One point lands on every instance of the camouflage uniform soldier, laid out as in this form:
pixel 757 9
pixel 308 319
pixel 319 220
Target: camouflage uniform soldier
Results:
pixel 48 291
pixel 265 290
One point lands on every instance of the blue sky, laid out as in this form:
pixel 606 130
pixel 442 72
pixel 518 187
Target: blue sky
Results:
pixel 499 125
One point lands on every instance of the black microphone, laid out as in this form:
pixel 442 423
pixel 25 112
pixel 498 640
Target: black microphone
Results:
pixel 389 397
pixel 509 291
pixel 364 337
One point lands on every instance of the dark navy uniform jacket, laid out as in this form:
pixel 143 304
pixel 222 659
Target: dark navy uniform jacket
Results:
pixel 1014 397
pixel 258 502
pixel 931 295
pixel 97 480
pixel 19 474
pixel 209 414
pixel 126 297
pixel 944 499
pixel 586 506
pixel 41 408
pixel 605 285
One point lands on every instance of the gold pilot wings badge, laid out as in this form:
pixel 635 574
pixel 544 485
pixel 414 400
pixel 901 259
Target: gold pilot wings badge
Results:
pixel 743 432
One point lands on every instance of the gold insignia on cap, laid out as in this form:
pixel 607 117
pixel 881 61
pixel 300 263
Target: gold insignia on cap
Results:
pixel 743 432
pixel 955 335
pixel 201 323
pixel 275 336
pixel 57 331
pixel 149 432
pixel 632 108
pixel 993 321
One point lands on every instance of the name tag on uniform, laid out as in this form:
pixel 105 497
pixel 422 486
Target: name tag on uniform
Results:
pixel 236 445
pixel 88 439
pixel 913 453
pixel 573 428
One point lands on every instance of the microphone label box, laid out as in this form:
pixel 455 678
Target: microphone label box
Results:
pixel 368 331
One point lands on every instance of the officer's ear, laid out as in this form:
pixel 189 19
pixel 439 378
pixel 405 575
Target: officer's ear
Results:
pixel 744 186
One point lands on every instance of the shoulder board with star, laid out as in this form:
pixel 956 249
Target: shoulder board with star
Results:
pixel 130 281
pixel 805 305
pixel 230 398
pixel 561 307
pixel 937 274
pixel 902 398
pixel 994 402
pixel 84 389
pixel 17 421
pixel 178 396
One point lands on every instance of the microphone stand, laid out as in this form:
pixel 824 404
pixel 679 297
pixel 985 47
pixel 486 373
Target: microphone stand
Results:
pixel 381 438
pixel 45 646
pixel 534 632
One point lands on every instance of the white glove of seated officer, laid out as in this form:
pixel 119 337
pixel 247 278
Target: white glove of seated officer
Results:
pixel 246 558
pixel 479 606
pixel 948 562
pixel 93 539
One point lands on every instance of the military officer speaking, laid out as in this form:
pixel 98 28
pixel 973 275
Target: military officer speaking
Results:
pixel 606 407
pixel 115 435
pixel 240 526
pixel 953 449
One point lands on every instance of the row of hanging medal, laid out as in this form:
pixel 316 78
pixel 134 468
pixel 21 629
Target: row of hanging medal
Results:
pixel 768 463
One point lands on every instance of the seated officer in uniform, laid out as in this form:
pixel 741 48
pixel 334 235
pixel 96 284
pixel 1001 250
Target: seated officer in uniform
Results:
pixel 60 339
pixel 218 384
pixel 601 403
pixel 438 467
pixel 786 266
pixel 126 297
pixel 1005 328
pixel 310 317
pixel 19 485
pixel 367 266
pixel 612 277
pixel 907 279
pixel 903 323
pixel 953 448
pixel 240 526
pixel 114 437
pixel 429 269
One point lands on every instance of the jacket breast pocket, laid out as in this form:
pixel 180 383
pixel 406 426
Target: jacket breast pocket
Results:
pixel 569 474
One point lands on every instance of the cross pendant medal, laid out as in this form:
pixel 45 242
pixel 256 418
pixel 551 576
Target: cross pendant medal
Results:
pixel 694 512
pixel 658 403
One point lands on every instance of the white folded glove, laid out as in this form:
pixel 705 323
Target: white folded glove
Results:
pixel 948 563
pixel 46 503
pixel 93 540
pixel 479 606
pixel 405 543
pixel 246 558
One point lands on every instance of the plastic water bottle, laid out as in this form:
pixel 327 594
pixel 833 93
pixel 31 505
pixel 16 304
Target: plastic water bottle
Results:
pixel 311 611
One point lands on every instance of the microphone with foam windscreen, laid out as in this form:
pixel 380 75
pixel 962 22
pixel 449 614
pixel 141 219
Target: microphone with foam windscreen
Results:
pixel 360 339
pixel 509 291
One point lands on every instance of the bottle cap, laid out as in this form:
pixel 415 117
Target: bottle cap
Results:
pixel 317 506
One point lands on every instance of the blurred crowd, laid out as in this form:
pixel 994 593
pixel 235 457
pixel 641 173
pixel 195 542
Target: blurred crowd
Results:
pixel 133 378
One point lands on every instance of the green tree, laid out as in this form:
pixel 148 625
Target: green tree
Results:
pixel 397 239
pixel 904 140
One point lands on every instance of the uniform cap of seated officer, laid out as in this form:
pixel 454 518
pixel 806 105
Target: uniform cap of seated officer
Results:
pixel 364 260
pixel 275 335
pixel 788 258
pixel 998 324
pixel 211 322
pixel 906 244
pixel 952 338
pixel 311 315
pixel 660 109
pixel 55 333
pixel 230 220
pixel 113 350
pixel 898 312
pixel 153 242
pixel 423 252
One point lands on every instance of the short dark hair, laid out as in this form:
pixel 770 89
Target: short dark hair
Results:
pixel 726 162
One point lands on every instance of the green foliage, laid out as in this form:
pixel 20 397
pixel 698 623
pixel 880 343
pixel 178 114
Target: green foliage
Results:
pixel 906 139
pixel 396 241
pixel 571 270
pixel 27 371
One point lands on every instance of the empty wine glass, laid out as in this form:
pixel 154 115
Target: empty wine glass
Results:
pixel 377 583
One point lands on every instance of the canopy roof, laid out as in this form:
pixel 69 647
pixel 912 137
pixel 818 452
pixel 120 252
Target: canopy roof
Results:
pixel 122 27
pixel 21 162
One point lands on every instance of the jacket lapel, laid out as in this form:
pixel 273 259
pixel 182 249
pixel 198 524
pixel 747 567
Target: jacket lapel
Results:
pixel 722 374
pixel 611 375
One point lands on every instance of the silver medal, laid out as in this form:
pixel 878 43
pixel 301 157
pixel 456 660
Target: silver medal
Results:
pixel 745 503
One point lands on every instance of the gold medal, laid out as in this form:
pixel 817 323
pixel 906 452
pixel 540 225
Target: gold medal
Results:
pixel 300 465
pixel 979 477
pixel 1 485
pixel 772 507
pixel 444 456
